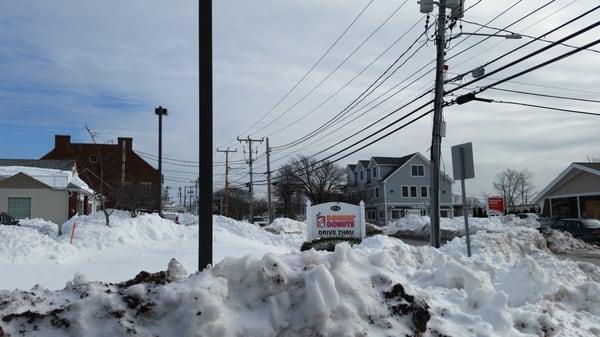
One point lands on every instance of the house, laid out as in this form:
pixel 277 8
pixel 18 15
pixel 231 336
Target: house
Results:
pixel 47 189
pixel 575 193
pixel 393 187
pixel 125 179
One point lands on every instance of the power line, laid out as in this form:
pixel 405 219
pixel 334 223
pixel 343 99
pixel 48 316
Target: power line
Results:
pixel 546 107
pixel 334 69
pixel 547 95
pixel 363 95
pixel 337 40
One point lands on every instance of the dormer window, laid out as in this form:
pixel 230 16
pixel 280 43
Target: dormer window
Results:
pixel 362 175
pixel 375 172
pixel 418 170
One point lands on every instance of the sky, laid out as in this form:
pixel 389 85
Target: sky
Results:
pixel 107 65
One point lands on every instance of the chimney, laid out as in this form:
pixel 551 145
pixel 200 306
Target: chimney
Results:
pixel 127 141
pixel 62 141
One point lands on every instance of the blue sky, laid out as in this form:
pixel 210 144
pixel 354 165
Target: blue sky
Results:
pixel 108 64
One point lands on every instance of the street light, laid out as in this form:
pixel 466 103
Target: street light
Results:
pixel 160 112
pixel 511 36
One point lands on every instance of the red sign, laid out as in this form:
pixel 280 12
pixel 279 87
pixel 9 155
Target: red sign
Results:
pixel 495 205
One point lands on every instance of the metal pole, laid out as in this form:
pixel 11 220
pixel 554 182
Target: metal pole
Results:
pixel 158 202
pixel 436 140
pixel 226 191
pixel 269 181
pixel 464 198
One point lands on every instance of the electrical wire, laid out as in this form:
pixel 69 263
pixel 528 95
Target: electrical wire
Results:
pixel 546 107
pixel 310 70
pixel 547 95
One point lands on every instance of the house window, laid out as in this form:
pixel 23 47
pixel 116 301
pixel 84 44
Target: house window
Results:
pixel 413 191
pixel 395 214
pixel 418 170
pixel 362 175
pixel 19 207
pixel 375 172
pixel 381 214
pixel 424 192
pixel 376 192
pixel 404 191
pixel 371 215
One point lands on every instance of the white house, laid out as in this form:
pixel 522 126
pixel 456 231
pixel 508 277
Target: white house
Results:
pixel 40 192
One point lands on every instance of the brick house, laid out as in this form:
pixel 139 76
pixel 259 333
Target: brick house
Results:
pixel 129 182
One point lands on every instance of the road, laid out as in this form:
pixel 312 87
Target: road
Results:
pixel 580 255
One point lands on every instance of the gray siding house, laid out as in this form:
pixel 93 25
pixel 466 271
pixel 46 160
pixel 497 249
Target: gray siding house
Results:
pixel 575 193
pixel 393 187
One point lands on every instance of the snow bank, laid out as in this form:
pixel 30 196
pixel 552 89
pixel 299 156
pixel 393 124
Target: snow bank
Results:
pixel 420 225
pixel 512 286
pixel 286 226
pixel 35 253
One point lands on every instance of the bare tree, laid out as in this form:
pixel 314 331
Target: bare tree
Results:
pixel 286 191
pixel 514 185
pixel 320 182
pixel 100 193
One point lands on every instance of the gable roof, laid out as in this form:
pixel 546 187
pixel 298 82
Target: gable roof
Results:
pixel 395 161
pixel 64 165
pixel 352 167
pixel 56 179
pixel 364 163
pixel 569 172
pixel 593 166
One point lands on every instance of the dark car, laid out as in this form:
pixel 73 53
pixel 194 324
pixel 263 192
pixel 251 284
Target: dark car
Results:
pixel 584 229
pixel 6 219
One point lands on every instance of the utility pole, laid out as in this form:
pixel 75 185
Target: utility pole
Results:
pixel 185 197
pixel 160 112
pixel 269 181
pixel 436 139
pixel 226 191
pixel 250 162
pixel 179 195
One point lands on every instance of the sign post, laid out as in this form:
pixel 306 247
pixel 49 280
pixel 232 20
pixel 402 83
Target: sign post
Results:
pixel 463 168
pixel 335 220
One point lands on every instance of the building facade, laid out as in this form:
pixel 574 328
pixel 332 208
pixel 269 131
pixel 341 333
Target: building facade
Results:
pixel 393 187
pixel 39 192
pixel 575 193
pixel 125 180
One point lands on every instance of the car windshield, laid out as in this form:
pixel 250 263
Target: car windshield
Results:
pixel 522 216
pixel 591 223
pixel 258 219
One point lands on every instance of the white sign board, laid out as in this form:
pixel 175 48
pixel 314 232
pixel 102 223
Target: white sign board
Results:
pixel 335 220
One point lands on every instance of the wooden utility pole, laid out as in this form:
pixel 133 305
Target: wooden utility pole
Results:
pixel 250 162
pixel 226 191
pixel 269 180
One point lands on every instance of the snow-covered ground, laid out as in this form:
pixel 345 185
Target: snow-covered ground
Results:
pixel 512 286
pixel 420 225
pixel 35 254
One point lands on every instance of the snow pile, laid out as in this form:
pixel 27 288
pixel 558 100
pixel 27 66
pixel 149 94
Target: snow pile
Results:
pixel 512 286
pixel 286 226
pixel 187 219
pixel 561 242
pixel 418 225
pixel 34 252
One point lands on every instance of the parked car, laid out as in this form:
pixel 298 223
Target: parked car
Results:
pixel 584 229
pixel 260 221
pixel 171 216
pixel 6 219
pixel 528 216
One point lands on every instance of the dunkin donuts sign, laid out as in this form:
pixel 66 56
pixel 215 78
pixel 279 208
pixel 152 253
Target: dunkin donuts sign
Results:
pixel 335 220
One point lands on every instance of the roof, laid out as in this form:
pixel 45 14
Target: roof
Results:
pixel 593 168
pixel 396 161
pixel 400 161
pixel 364 163
pixel 56 179
pixel 65 165
pixel 351 167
